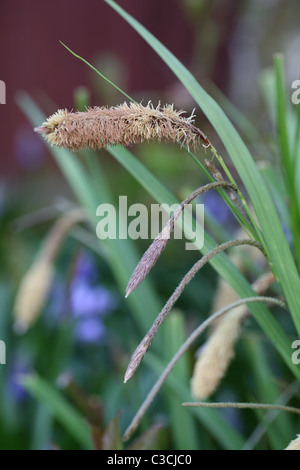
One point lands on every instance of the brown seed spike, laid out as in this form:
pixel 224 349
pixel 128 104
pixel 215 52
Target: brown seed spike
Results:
pixel 124 125
pixel 149 258
pixel 137 357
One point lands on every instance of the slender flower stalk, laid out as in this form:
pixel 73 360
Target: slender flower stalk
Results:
pixel 150 257
pixel 147 340
pixel 124 125
pixel 240 194
pixel 251 406
pixel 215 172
pixel 185 346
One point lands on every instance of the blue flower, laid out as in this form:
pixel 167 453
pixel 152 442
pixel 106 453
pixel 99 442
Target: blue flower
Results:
pixel 86 268
pixel 90 330
pixel 86 299
pixel 89 301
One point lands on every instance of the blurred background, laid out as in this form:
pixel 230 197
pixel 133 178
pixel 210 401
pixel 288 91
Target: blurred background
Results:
pixel 81 343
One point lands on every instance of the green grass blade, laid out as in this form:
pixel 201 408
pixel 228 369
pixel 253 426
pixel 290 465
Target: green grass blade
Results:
pixel 99 73
pixel 277 187
pixel 267 391
pixel 282 117
pixel 182 424
pixel 275 241
pixel 41 427
pixel 289 167
pixel 67 416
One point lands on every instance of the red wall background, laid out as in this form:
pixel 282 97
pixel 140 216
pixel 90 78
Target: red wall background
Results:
pixel 32 60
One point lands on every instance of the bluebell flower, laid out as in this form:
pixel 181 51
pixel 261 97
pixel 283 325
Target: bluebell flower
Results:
pixel 89 301
pixel 85 268
pixel 85 300
pixel 90 330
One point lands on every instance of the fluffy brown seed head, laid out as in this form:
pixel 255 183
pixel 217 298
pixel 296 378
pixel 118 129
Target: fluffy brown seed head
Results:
pixel 120 125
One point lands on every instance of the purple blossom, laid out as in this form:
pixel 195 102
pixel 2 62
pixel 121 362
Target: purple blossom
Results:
pixel 90 330
pixel 86 300
pixel 217 208
pixel 85 268
pixel 88 305
pixel 89 301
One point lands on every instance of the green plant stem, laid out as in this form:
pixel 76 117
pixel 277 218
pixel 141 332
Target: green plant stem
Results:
pixel 257 233
pixel 147 340
pixel 152 254
pixel 99 73
pixel 236 212
pixel 253 406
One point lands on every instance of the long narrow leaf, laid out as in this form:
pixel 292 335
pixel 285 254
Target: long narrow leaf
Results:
pixel 68 416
